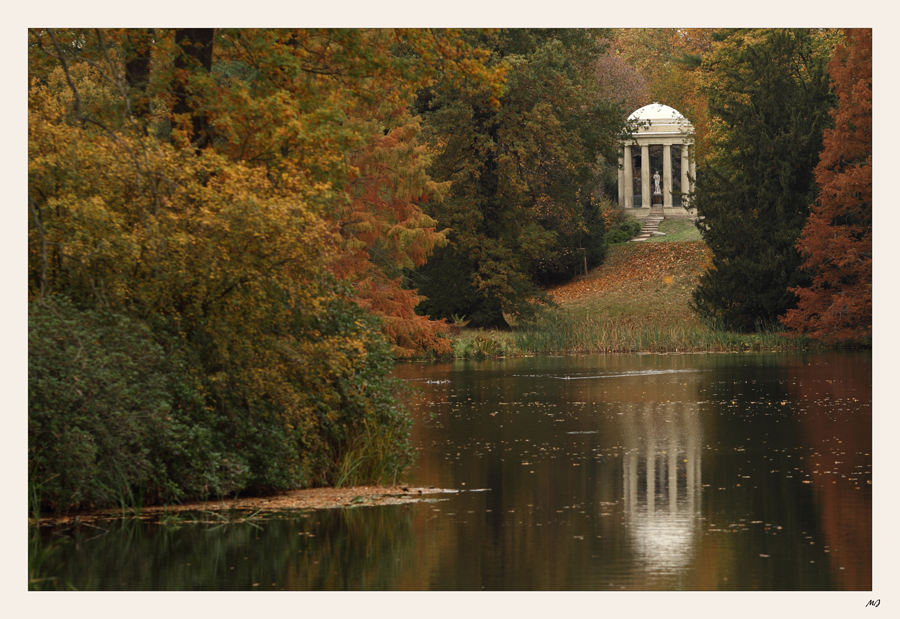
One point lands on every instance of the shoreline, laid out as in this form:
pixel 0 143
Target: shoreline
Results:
pixel 299 500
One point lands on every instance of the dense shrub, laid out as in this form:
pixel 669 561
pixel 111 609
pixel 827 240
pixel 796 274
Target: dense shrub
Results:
pixel 122 414
pixel 112 419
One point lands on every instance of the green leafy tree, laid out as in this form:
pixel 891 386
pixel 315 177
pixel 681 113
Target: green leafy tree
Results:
pixel 522 172
pixel 768 99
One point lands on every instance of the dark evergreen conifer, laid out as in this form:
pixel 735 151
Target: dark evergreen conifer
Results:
pixel 769 101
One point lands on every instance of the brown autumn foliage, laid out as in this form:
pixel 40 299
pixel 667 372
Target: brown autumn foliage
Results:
pixel 837 238
pixel 619 81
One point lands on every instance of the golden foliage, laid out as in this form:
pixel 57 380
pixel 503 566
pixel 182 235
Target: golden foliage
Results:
pixel 293 147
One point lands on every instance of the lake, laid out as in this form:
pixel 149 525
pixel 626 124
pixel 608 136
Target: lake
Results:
pixel 691 472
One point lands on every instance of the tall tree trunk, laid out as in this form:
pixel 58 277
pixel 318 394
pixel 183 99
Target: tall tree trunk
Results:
pixel 196 54
pixel 137 72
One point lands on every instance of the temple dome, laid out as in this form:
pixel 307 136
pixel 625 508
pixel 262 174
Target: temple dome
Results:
pixel 656 111
pixel 657 119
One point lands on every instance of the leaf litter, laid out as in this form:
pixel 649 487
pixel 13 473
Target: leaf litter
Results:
pixel 299 500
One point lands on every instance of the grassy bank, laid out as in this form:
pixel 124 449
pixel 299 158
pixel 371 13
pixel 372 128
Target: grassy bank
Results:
pixel 636 301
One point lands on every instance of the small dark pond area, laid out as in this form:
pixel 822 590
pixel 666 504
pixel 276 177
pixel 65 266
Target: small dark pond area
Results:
pixel 620 472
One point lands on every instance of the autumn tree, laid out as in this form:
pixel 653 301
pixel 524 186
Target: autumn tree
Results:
pixel 284 100
pixel 669 61
pixel 768 101
pixel 233 197
pixel 836 242
pixel 521 175
pixel 649 51
pixel 619 82
pixel 379 221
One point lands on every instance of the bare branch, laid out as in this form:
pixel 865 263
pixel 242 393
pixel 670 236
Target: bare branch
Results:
pixel 65 68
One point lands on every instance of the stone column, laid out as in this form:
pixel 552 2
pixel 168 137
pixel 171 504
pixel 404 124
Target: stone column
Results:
pixel 685 167
pixel 622 177
pixel 628 181
pixel 645 175
pixel 667 175
pixel 693 164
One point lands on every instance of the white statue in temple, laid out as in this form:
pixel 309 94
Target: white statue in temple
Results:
pixel 656 188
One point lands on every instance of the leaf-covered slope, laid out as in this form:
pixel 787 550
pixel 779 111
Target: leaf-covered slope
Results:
pixel 639 280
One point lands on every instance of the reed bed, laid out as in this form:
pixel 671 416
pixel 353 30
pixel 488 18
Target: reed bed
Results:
pixel 568 332
pixel 563 332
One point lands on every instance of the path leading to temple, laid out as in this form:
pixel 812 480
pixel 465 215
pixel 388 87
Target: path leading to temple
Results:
pixel 651 225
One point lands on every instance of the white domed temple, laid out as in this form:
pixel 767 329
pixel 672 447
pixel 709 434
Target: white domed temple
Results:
pixel 657 165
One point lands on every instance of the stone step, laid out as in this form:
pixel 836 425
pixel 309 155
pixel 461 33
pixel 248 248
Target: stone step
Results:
pixel 651 225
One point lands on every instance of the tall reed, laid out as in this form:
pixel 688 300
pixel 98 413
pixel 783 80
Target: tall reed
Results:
pixel 370 458
pixel 564 331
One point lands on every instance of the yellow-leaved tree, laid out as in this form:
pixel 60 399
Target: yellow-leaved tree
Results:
pixel 243 200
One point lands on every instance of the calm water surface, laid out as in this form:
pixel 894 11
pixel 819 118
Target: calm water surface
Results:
pixel 618 472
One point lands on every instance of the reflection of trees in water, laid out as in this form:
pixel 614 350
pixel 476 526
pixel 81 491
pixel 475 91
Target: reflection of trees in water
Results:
pixel 828 389
pixel 342 549
pixel 662 483
pixel 44 562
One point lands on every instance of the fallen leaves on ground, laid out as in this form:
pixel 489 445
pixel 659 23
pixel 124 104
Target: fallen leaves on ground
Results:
pixel 635 267
pixel 310 498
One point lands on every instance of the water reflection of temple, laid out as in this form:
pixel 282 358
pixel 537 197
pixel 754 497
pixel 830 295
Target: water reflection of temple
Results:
pixel 662 482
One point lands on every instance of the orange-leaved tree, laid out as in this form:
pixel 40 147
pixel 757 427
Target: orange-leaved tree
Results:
pixel 367 80
pixel 837 239
pixel 383 229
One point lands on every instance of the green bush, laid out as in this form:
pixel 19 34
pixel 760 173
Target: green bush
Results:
pixel 618 236
pixel 359 416
pixel 122 414
pixel 626 229
pixel 97 396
